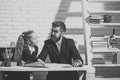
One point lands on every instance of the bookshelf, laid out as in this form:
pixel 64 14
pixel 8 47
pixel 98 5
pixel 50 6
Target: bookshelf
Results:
pixel 96 21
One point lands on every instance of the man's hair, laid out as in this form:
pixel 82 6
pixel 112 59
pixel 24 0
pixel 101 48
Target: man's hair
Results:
pixel 59 24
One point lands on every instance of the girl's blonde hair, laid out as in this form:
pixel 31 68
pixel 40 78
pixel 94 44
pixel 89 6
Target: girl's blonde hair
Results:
pixel 21 42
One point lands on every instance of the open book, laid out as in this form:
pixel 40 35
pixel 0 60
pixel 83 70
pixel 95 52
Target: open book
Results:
pixel 57 65
pixel 35 64
pixel 48 65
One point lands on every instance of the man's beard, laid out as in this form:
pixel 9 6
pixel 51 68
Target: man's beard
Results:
pixel 54 38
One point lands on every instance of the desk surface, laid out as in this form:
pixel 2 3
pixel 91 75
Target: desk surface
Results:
pixel 106 50
pixel 51 67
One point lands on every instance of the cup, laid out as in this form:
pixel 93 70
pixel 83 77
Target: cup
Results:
pixel 13 63
pixel 107 18
pixel 7 62
pixel 1 63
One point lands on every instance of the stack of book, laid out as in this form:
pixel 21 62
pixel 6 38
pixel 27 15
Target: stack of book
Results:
pixel 99 44
pixel 95 19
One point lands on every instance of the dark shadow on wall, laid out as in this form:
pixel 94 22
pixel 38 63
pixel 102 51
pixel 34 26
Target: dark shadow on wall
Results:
pixel 63 13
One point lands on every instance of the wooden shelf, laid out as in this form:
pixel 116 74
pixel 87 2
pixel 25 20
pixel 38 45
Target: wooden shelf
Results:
pixel 105 24
pixel 109 36
pixel 103 0
pixel 96 12
pixel 102 38
pixel 97 38
pixel 116 50
pixel 106 65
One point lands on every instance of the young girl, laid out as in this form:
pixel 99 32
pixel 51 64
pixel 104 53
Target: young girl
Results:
pixel 26 48
pixel 25 52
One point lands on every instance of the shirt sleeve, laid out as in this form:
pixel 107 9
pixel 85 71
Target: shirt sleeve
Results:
pixel 28 57
pixel 44 53
pixel 74 51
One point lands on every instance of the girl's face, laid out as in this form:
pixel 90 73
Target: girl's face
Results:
pixel 33 39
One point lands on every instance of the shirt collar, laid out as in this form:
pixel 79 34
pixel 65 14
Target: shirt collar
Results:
pixel 31 48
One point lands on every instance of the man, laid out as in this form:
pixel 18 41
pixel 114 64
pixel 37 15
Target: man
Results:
pixel 61 50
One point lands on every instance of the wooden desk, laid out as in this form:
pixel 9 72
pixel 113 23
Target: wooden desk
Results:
pixel 90 71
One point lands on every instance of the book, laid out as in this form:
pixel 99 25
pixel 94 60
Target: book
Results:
pixel 48 65
pixel 35 64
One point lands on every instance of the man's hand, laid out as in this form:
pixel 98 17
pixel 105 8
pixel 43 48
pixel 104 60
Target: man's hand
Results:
pixel 40 61
pixel 77 63
pixel 22 62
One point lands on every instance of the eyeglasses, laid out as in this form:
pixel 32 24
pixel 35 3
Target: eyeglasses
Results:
pixel 55 31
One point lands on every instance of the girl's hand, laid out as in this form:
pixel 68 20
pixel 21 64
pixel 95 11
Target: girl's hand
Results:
pixel 23 62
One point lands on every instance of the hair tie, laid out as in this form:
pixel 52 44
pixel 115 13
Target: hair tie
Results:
pixel 23 33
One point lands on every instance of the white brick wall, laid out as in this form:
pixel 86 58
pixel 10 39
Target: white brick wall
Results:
pixel 17 16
